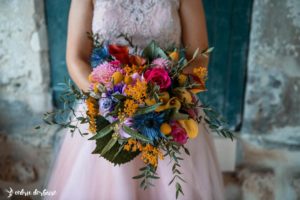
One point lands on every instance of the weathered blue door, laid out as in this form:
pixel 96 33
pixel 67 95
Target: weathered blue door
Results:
pixel 57 17
pixel 228 27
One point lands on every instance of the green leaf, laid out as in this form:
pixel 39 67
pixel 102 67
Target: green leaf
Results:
pixel 119 96
pixel 208 51
pixel 153 51
pixel 109 145
pixel 139 176
pixel 179 116
pixel 186 151
pixel 147 109
pixel 105 131
pixel 136 135
pixel 113 155
pixel 195 54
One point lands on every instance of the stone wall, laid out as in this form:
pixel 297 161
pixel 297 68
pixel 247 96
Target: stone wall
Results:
pixel 24 95
pixel 270 138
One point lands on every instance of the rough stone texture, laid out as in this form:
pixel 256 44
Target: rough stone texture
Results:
pixel 24 95
pixel 270 137
pixel 24 54
pixel 24 69
pixel 272 100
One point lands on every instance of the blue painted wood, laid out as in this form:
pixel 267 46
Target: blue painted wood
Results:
pixel 56 18
pixel 228 25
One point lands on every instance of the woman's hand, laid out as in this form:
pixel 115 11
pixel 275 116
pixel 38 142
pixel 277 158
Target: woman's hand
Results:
pixel 79 46
pixel 194 33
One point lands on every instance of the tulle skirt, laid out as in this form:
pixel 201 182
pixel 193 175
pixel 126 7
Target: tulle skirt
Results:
pixel 79 175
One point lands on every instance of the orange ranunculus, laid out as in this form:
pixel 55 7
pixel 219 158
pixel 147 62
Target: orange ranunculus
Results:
pixel 121 53
pixel 137 60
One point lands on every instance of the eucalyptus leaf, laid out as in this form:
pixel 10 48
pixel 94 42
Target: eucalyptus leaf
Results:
pixel 105 131
pixel 147 109
pixel 109 145
pixel 136 134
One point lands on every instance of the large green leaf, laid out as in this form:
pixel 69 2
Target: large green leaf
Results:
pixel 115 154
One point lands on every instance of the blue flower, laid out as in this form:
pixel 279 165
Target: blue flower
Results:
pixel 105 105
pixel 99 55
pixel 149 124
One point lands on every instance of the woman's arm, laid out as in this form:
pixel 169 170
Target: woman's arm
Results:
pixel 194 33
pixel 79 47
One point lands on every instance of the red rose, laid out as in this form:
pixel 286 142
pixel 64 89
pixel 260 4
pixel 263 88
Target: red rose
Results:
pixel 121 53
pixel 178 133
pixel 158 76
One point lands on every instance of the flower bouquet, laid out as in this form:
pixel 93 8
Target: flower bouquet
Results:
pixel 141 104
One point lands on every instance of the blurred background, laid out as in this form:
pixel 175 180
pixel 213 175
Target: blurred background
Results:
pixel 254 81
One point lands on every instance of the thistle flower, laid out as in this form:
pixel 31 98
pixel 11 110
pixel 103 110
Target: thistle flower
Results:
pixel 99 55
pixel 149 124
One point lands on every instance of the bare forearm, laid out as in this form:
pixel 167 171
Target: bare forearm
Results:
pixel 79 71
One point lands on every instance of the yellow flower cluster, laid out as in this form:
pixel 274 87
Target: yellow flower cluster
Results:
pixel 92 112
pixel 150 154
pixel 138 91
pixel 133 69
pixel 130 107
pixel 201 73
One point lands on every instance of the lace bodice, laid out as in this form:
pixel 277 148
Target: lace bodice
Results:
pixel 142 20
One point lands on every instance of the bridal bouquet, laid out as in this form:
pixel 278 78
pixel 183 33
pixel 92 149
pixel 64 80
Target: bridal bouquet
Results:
pixel 141 104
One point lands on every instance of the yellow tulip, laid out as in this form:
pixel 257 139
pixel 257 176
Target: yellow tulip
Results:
pixel 172 103
pixel 190 126
pixel 117 77
pixel 184 95
pixel 165 129
pixel 182 79
pixel 150 102
pixel 164 97
pixel 197 90
pixel 174 55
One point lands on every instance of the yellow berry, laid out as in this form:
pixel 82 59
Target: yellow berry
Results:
pixel 128 79
pixel 165 129
pixel 174 55
pixel 117 77
pixel 182 79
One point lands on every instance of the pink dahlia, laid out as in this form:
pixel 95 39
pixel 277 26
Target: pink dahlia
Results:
pixel 103 72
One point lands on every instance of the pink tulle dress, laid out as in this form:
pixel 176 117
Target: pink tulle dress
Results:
pixel 79 175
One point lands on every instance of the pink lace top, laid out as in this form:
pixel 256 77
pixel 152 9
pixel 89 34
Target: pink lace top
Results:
pixel 143 20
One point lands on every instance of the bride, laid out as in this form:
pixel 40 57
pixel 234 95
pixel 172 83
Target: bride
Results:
pixel 79 175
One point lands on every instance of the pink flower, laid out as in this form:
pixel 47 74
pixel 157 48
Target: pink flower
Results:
pixel 103 72
pixel 161 63
pixel 158 76
pixel 178 133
